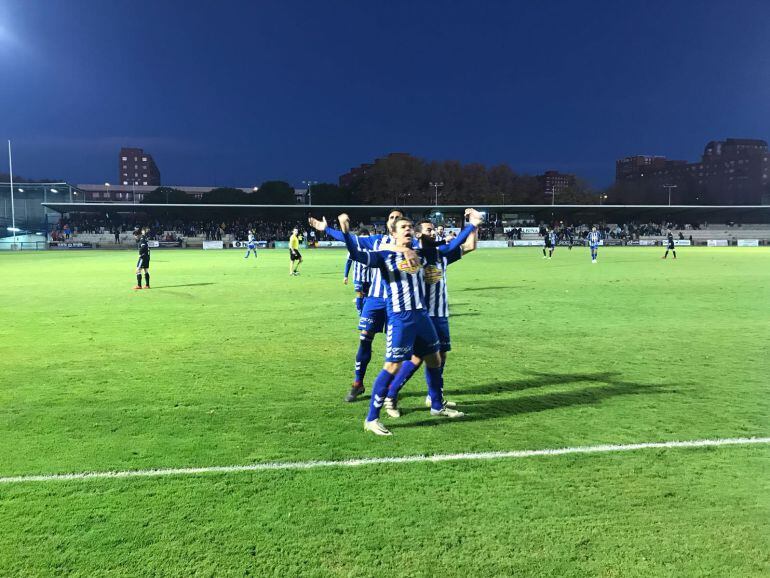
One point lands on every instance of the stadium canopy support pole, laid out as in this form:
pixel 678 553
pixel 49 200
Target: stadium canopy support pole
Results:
pixel 10 174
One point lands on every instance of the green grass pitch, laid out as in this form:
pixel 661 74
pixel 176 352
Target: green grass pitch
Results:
pixel 229 361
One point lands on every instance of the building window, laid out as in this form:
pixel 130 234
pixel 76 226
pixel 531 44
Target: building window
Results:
pixel 95 195
pixel 124 158
pixel 145 182
pixel 144 159
pixel 145 175
pixel 125 182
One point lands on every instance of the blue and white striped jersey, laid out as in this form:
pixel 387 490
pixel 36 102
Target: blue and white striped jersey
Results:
pixel 434 275
pixel 371 243
pixel 361 273
pixel 552 236
pixel 376 288
pixel 404 288
pixel 594 237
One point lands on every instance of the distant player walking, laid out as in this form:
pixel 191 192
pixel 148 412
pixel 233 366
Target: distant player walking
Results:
pixel 295 258
pixel 252 245
pixel 593 241
pixel 550 243
pixel 670 245
pixel 143 264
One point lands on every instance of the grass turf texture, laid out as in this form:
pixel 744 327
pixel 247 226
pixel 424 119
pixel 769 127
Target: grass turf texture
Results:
pixel 227 361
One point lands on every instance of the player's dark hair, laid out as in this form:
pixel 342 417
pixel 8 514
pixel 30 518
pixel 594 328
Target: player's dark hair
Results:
pixel 363 233
pixel 395 211
pixel 422 222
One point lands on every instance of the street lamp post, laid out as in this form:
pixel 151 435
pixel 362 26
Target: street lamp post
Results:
pixel 309 195
pixel 13 211
pixel 107 186
pixel 435 186
pixel 669 187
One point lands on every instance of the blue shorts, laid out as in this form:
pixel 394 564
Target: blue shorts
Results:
pixel 410 331
pixel 252 246
pixel 442 330
pixel 373 316
pixel 594 247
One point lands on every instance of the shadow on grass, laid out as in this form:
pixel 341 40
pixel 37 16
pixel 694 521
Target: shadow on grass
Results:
pixel 491 288
pixel 188 285
pixel 496 408
pixel 466 314
pixel 537 379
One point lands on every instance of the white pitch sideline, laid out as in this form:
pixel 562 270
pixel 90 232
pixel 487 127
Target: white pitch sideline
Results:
pixel 375 461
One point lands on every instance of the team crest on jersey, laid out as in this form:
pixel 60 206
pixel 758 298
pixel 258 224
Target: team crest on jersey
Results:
pixel 432 274
pixel 403 265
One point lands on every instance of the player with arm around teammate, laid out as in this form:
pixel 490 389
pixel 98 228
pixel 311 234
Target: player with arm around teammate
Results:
pixel 409 325
pixel 436 301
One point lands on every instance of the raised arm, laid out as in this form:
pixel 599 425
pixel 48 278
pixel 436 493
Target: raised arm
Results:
pixel 470 244
pixel 322 227
pixel 474 218
pixel 370 258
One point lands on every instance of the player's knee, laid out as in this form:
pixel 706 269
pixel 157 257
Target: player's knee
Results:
pixel 433 360
pixel 392 367
pixel 416 360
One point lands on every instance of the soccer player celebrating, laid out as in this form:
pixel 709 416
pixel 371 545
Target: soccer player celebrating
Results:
pixel 362 276
pixel 593 241
pixel 409 326
pixel 252 245
pixel 670 245
pixel 437 305
pixel 295 258
pixel 143 264
pixel 374 309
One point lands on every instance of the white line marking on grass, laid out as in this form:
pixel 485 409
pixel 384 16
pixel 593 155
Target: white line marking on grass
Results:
pixel 375 461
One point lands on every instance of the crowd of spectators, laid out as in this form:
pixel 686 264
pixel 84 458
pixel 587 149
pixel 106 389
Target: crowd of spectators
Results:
pixel 176 229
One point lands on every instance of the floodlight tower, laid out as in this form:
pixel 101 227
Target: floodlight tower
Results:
pixel 435 186
pixel 669 187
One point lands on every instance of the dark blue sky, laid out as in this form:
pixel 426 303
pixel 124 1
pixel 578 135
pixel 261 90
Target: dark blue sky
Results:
pixel 237 92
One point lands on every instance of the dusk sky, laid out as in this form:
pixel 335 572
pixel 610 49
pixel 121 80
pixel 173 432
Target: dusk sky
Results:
pixel 238 92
